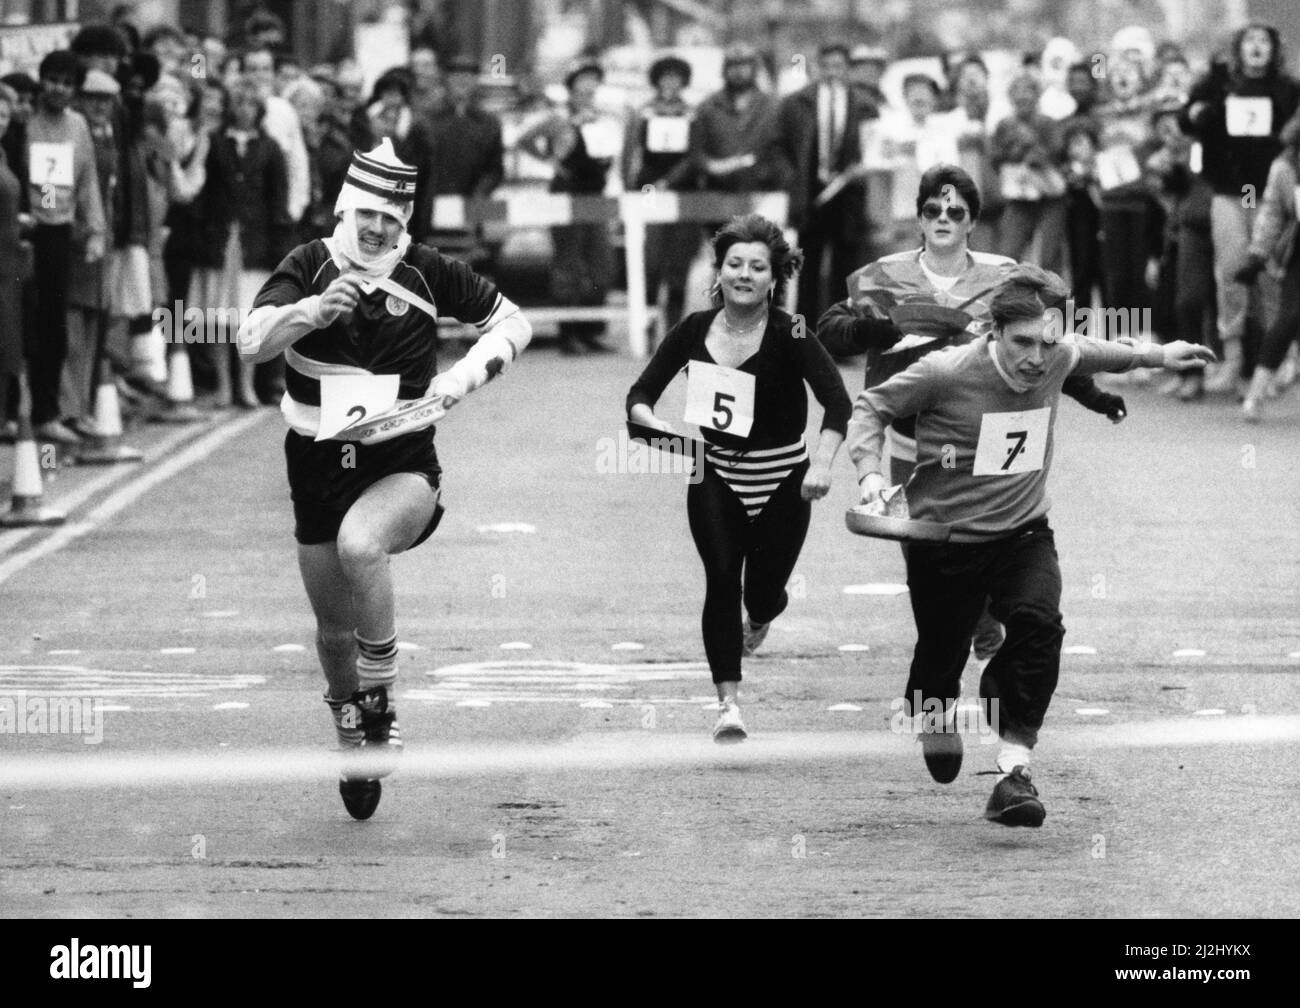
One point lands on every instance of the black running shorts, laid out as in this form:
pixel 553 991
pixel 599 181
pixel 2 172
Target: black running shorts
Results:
pixel 327 477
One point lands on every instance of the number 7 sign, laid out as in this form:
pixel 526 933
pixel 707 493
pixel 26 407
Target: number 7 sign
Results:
pixel 1012 443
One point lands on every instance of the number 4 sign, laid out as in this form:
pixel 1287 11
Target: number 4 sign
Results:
pixel 719 398
pixel 346 400
pixel 1012 443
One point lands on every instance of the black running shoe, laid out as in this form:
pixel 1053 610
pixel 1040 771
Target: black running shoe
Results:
pixel 381 741
pixel 1014 801
pixel 942 751
pixel 360 797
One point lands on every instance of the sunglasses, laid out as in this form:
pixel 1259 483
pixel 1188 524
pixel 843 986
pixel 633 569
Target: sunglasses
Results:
pixel 933 211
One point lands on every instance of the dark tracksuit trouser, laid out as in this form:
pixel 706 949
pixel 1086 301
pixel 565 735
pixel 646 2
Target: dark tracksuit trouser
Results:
pixel 1020 577
pixel 47 346
pixel 1286 327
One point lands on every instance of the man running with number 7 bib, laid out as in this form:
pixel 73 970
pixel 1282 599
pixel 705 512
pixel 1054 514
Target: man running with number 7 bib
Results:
pixel 984 418
pixel 355 315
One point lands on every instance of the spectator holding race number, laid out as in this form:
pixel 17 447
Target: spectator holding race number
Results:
pixel 354 315
pixel 749 507
pixel 1236 112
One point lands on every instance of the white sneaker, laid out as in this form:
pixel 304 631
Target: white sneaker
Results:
pixel 730 728
pixel 754 634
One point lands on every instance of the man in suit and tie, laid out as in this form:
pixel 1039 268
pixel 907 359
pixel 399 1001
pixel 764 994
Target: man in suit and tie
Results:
pixel 819 141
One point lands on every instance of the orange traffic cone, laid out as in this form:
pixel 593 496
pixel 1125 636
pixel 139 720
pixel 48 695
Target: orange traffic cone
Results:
pixel 180 388
pixel 103 446
pixel 28 486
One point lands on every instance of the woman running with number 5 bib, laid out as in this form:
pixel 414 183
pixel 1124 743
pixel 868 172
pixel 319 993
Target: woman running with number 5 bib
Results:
pixel 355 316
pixel 749 509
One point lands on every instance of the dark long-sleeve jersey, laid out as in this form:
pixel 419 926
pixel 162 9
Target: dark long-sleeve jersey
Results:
pixel 780 366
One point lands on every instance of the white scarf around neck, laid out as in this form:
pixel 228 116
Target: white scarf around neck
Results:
pixel 345 249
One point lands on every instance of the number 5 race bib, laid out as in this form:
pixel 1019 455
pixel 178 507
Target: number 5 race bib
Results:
pixel 346 400
pixel 1012 443
pixel 719 398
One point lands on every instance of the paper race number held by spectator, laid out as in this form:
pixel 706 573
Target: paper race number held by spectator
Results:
pixel 1248 116
pixel 50 164
pixel 1012 443
pixel 667 134
pixel 602 139
pixel 1117 166
pixel 347 400
pixel 719 398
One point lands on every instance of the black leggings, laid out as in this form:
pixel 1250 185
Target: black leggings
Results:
pixel 763 551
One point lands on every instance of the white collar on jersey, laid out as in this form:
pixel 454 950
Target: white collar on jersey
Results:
pixel 1012 383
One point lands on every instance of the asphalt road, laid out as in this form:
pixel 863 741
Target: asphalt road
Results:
pixel 554 699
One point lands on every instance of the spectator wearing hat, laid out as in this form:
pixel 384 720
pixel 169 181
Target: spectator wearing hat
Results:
pixel 657 155
pixel 91 289
pixel 818 142
pixel 867 66
pixel 466 158
pixel 582 143
pixel 64 198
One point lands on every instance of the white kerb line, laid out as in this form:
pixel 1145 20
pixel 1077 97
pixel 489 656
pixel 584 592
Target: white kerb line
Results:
pixel 127 495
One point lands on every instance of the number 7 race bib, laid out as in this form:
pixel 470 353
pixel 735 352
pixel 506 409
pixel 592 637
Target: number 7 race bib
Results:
pixel 719 398
pixel 1012 443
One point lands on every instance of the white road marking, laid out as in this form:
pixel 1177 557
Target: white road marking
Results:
pixel 64 651
pixel 627 646
pixel 408 646
pixel 541 681
pixel 844 707
pixel 127 495
pixel 875 589
pixel 1092 711
pixel 288 648
pixel 1209 712
pixel 177 650
pixel 221 613
pixel 230 705
pixel 473 703
pixel 603 751
pixel 1189 652
pixel 596 704
pixel 854 647
pixel 77 680
pixel 1078 649
pixel 516 646
pixel 506 528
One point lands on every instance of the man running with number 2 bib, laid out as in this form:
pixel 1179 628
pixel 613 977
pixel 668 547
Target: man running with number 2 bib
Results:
pixel 984 418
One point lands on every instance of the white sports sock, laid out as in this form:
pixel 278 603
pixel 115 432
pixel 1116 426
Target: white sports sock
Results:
pixel 1011 756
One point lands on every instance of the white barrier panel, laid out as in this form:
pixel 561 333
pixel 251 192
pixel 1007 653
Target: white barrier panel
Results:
pixel 634 209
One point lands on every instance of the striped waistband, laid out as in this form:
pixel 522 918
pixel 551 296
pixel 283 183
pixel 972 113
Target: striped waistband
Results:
pixel 754 476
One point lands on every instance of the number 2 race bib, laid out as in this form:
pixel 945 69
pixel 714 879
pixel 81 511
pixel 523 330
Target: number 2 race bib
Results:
pixel 346 400
pixel 1012 443
pixel 719 398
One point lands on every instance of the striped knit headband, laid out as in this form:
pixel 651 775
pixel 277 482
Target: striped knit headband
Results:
pixel 378 181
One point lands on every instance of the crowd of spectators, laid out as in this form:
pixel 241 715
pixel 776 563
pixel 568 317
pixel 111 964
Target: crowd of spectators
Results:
pixel 164 168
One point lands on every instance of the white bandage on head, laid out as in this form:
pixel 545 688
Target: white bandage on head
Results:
pixel 378 181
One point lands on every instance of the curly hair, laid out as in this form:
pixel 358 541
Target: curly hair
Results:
pixel 786 261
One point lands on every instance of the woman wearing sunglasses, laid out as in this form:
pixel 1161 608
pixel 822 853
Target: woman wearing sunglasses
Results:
pixel 906 305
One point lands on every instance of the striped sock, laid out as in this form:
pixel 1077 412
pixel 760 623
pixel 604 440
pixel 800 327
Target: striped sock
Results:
pixel 376 662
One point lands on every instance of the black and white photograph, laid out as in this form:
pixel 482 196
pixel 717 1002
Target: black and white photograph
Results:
pixel 616 459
